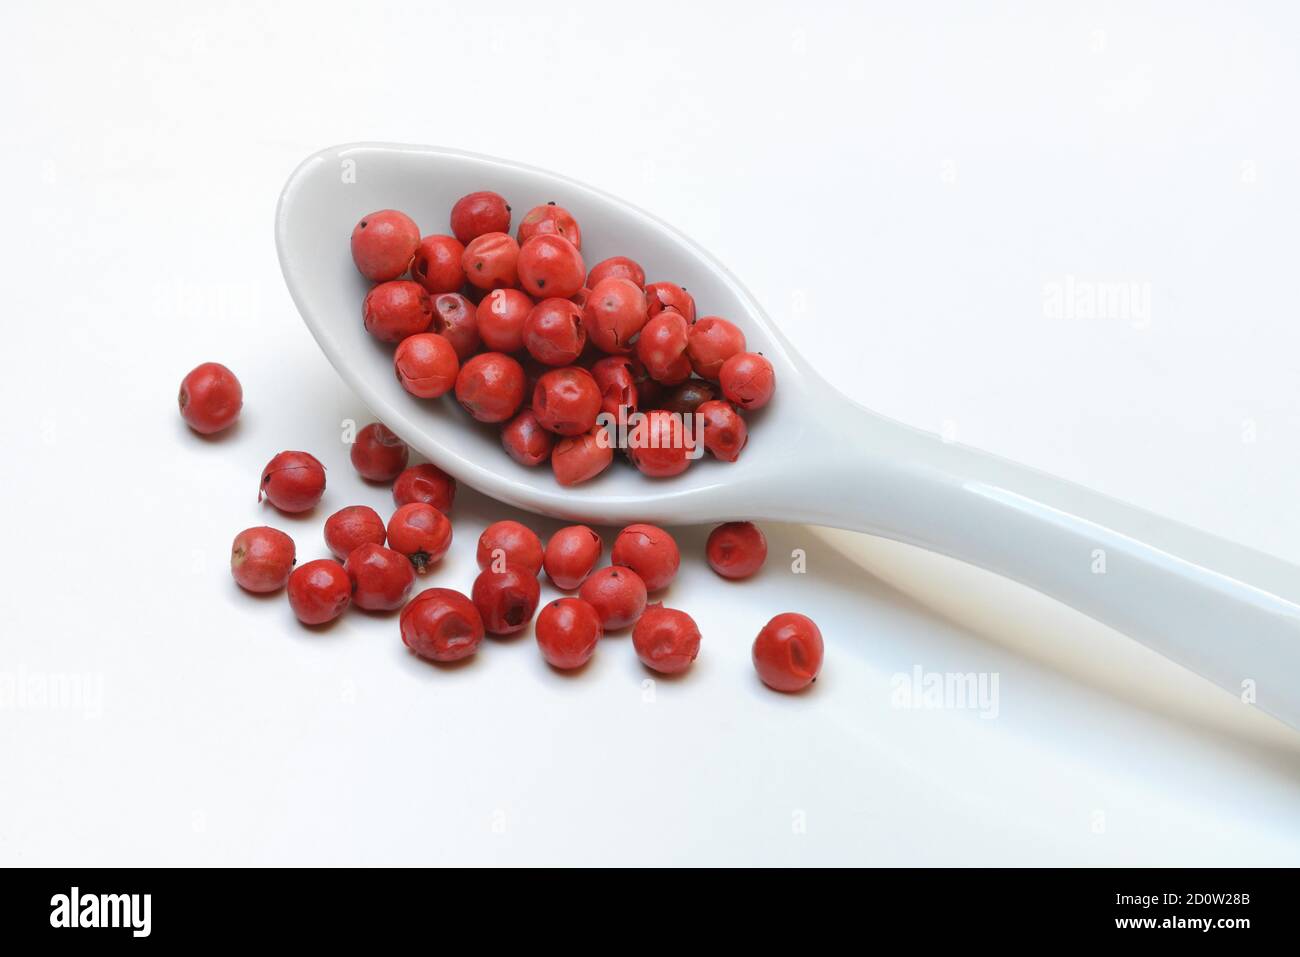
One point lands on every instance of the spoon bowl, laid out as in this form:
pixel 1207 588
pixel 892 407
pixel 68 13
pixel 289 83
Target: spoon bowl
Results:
pixel 1228 612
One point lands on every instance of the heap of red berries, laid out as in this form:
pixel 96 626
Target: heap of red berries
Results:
pixel 528 339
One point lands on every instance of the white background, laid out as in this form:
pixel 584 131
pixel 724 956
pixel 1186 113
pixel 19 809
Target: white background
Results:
pixel 898 183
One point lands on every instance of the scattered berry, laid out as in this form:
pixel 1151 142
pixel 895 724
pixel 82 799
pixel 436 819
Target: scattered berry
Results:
pixel 618 594
pixel 441 624
pixel 210 398
pixel 568 630
pixel 570 556
pixel 650 552
pixel 319 591
pixel 261 559
pixel 381 578
pixel 736 550
pixel 420 532
pixel 378 454
pixel 509 544
pixel 293 482
pixel 788 652
pixel 666 640
pixel 425 483
pixel 506 600
pixel 350 528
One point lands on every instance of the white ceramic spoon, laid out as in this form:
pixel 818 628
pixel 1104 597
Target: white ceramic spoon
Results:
pixel 1225 611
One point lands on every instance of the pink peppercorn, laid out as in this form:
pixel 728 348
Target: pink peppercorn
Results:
pixel 570 555
pixel 662 348
pixel 508 543
pixel 614 314
pixel 711 342
pixel 660 445
pixel 210 398
pixel 650 552
pixel 421 533
pixel 550 220
pixel 350 528
pixel 748 380
pixel 506 600
pixel 666 640
pixel 426 365
pixel 490 386
pixel 616 267
pixel 725 432
pixel 550 265
pixel 501 316
pixel 491 261
pixel 383 244
pixel 567 401
pixel 437 264
pixel 580 458
pixel 261 559
pixel 293 482
pixel 618 594
pixel 425 483
pixel 788 652
pixel 397 309
pixel 526 441
pixel 662 296
pixel 381 578
pixel 378 454
pixel 441 624
pixel 568 630
pixel 736 549
pixel 319 591
pixel 616 378
pixel 554 333
pixel 480 213
pixel 455 318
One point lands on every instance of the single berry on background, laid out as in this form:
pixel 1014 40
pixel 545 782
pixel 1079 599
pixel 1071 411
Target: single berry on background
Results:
pixel 292 482
pixel 666 640
pixel 441 624
pixel 378 454
pixel 736 549
pixel 568 630
pixel 261 559
pixel 319 591
pixel 425 483
pixel 210 398
pixel 788 652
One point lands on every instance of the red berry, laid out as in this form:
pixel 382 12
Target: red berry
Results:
pixel 293 482
pixel 526 441
pixel 378 454
pixel 578 458
pixel 568 630
pixel 383 244
pixel 421 533
pixel 650 552
pixel 491 261
pixel 617 267
pixel 614 314
pixel 550 220
pixel 261 559
pixel 319 591
pixel 508 544
pixel 436 265
pixel 441 624
pixel 381 578
pixel 710 343
pixel 618 594
pixel 210 398
pixel 748 380
pixel 725 432
pixel 506 600
pixel 501 316
pixel 662 348
pixel 394 310
pixel 567 401
pixel 550 265
pixel 426 365
pixel 660 444
pixel 480 213
pixel 788 652
pixel 666 640
pixel 490 386
pixel 570 556
pixel 554 333
pixel 616 378
pixel 580 297
pixel 455 318
pixel 425 483
pixel 666 295
pixel 350 528
pixel 688 396
pixel 736 549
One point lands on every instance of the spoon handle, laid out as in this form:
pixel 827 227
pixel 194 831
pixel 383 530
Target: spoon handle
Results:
pixel 1227 612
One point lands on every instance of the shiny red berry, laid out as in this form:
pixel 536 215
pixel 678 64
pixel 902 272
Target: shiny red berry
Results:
pixel 506 600
pixel 350 528
pixel 580 458
pixel 550 220
pixel 526 441
pixel 437 264
pixel 711 342
pixel 508 543
pixel 383 244
pixel 662 296
pixel 426 365
pixel 261 559
pixel 550 265
pixel 736 549
pixel 554 333
pixel 382 579
pixel 490 386
pixel 660 444
pixel 425 483
pixel 319 591
pixel 650 552
pixel 491 261
pixel 661 347
pixel 571 554
pixel 501 316
pixel 616 267
pixel 479 213
pixel 616 378
pixel 748 380
pixel 292 482
pixel 614 314
pixel 725 432
pixel 788 652
pixel 441 624
pixel 567 401
pixel 568 630
pixel 618 594
pixel 455 318
pixel 666 640
pixel 397 309
pixel 210 398
pixel 378 454
pixel 421 533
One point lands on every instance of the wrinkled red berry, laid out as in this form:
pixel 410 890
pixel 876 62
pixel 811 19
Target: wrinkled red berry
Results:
pixel 441 624
pixel 394 310
pixel 501 316
pixel 506 600
pixel 788 652
pixel 383 244
pixel 425 483
pixel 567 401
pixel 426 365
pixel 568 630
pixel 490 386
pixel 381 578
pixel 437 264
pixel 711 342
pixel 526 441
pixel 292 482
pixel 748 380
pixel 660 444
pixel 579 458
pixel 614 314
pixel 550 220
pixel 666 295
pixel 508 543
pixel 618 594
pixel 350 528
pixel 480 213
pixel 617 267
pixel 210 398
pixel 491 261
pixel 420 532
pixel 650 552
pixel 571 554
pixel 661 347
pixel 666 640
pixel 550 265
pixel 554 333
pixel 725 432
pixel 616 378
pixel 736 550
pixel 378 454
pixel 455 318
pixel 261 559
pixel 319 591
